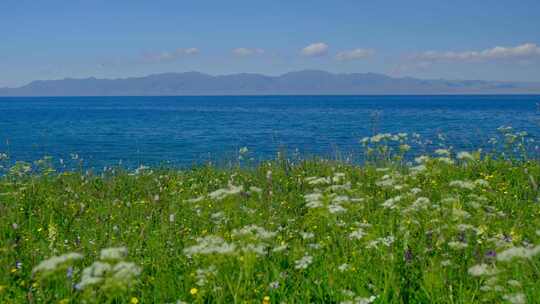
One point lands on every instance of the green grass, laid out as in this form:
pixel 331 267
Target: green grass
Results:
pixel 411 251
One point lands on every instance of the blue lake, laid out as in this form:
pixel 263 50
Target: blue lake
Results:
pixel 188 130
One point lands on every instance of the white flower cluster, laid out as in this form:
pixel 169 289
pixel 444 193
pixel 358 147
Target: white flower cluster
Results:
pixel 56 262
pixel 111 272
pixel 209 245
pixel 304 262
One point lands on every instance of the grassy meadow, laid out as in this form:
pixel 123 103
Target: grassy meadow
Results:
pixel 443 227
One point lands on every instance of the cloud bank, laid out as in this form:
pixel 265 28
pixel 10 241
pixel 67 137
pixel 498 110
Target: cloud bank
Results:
pixel 354 54
pixel 245 52
pixel 170 56
pixel 526 50
pixel 315 49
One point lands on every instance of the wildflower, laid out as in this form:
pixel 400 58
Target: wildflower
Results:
pixel 340 199
pixel 53 263
pixel 222 193
pixel 336 208
pixel 254 189
pixel 124 273
pixel 303 263
pixel 446 263
pixel 266 300
pixel 280 248
pixel 416 190
pixel 254 231
pixel 516 298
pixel 318 181
pixel 134 300
pixel 357 234
pixel 195 200
pixel 464 155
pixel 482 270
pixel 193 291
pixel 210 244
pixel 391 202
pixel 93 274
pixel 518 252
pixel 274 285
pixel 344 267
pixel 313 200
pixel 204 274
pixel 417 169
pixel 422 159
pixel 444 152
pixel 113 253
pixel 463 184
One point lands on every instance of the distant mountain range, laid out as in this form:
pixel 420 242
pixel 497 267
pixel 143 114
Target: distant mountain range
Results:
pixel 307 82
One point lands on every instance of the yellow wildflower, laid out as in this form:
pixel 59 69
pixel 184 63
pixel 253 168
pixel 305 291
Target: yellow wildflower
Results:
pixel 266 300
pixel 134 300
pixel 193 291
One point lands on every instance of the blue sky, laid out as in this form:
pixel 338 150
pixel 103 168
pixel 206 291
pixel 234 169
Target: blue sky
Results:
pixel 52 39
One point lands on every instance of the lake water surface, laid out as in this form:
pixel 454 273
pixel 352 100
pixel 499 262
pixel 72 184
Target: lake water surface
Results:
pixel 188 130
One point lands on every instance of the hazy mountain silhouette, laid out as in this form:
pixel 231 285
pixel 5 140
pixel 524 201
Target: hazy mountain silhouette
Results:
pixel 309 82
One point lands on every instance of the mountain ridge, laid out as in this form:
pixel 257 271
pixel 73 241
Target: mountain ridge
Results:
pixel 304 82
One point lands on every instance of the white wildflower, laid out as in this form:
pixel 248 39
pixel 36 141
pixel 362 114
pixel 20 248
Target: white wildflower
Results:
pixel 422 159
pixel 254 189
pixel 482 270
pixel 113 253
pixel 222 193
pixel 463 184
pixel 93 274
pixel 254 231
pixel 303 263
pixel 307 235
pixel 516 298
pixel 464 155
pixel 357 234
pixel 518 252
pixel 209 245
pixel 443 152
pixel 336 208
pixel 195 200
pixel 53 263
pixel 125 272
pixel 391 202
pixel 344 267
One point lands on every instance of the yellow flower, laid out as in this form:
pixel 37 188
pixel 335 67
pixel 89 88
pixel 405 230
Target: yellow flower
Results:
pixel 13 270
pixel 266 300
pixel 63 301
pixel 134 300
pixel 193 291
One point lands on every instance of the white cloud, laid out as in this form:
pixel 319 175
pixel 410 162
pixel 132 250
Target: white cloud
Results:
pixel 170 56
pixel 244 52
pixel 354 54
pixel 315 49
pixel 526 50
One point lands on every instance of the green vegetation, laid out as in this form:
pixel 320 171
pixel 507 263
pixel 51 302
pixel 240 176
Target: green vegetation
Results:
pixel 447 228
